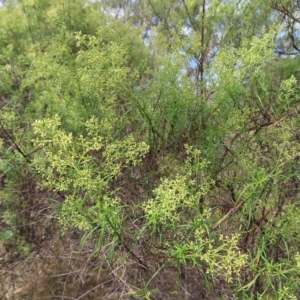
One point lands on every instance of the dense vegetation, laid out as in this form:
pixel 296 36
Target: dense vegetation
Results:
pixel 154 141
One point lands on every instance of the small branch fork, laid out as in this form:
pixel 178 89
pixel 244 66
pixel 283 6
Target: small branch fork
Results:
pixel 17 147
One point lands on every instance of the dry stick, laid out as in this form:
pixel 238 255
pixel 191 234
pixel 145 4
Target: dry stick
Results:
pixel 230 213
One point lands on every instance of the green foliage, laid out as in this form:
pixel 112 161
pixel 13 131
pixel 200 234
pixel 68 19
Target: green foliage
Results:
pixel 82 167
pixel 179 151
pixel 176 211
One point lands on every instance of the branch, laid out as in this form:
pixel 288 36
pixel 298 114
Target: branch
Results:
pixel 285 53
pixel 143 265
pixel 230 213
pixel 285 12
pixel 189 16
pixel 15 144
